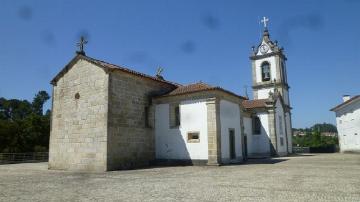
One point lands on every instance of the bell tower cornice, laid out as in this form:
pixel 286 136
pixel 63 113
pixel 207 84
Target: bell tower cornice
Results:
pixel 267 47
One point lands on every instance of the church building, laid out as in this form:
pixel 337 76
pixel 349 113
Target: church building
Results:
pixel 109 117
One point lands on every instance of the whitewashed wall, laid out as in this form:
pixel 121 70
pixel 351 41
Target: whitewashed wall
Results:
pixel 348 124
pixel 230 118
pixel 280 130
pixel 264 93
pixel 258 144
pixel 172 143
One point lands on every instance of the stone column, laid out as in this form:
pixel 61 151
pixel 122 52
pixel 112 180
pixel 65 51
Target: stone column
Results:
pixel 254 82
pixel 272 133
pixel 214 132
pixel 286 132
pixel 290 134
pixel 242 135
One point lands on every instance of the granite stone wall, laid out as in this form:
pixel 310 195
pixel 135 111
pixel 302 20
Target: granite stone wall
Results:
pixel 131 143
pixel 78 137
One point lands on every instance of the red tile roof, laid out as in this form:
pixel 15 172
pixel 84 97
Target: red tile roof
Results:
pixel 191 88
pixel 110 67
pixel 179 89
pixel 345 103
pixel 250 104
pixel 198 87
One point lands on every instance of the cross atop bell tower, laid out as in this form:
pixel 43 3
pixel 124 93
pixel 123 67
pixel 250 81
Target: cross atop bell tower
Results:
pixel 264 21
pixel 268 67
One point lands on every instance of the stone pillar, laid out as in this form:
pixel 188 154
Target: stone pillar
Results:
pixel 286 133
pixel 242 136
pixel 272 133
pixel 290 149
pixel 254 82
pixel 214 132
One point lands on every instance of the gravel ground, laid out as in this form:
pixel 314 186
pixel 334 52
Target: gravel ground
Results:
pixel 320 177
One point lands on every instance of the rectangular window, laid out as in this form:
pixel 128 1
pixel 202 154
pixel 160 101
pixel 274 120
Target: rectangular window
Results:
pixel 281 141
pixel 256 125
pixel 177 116
pixel 232 143
pixel 280 125
pixel 193 137
pixel 174 115
pixel 265 71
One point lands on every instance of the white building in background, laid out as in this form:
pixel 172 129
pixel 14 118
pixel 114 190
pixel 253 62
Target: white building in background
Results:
pixel 348 123
pixel 108 117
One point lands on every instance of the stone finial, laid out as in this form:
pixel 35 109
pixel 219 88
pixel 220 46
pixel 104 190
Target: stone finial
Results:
pixel 346 98
pixel 246 91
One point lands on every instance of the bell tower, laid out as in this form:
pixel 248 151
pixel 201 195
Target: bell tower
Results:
pixel 269 68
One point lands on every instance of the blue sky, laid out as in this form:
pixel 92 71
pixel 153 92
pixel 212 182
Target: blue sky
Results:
pixel 192 40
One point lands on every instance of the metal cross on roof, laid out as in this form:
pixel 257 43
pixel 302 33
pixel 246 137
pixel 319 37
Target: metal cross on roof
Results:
pixel 159 71
pixel 264 21
pixel 81 44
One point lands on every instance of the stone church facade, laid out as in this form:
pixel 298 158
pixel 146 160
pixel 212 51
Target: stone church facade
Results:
pixel 108 117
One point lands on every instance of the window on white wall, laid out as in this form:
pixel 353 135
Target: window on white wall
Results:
pixel 265 71
pixel 256 125
pixel 177 116
pixel 281 125
pixel 281 141
pixel 193 137
pixel 174 115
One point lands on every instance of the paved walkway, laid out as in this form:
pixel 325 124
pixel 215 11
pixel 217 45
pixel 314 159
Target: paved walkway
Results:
pixel 323 177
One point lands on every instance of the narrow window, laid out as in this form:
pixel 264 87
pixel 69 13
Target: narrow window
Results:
pixel 265 71
pixel 232 143
pixel 174 115
pixel 193 137
pixel 256 125
pixel 280 125
pixel 284 70
pixel 281 141
pixel 177 116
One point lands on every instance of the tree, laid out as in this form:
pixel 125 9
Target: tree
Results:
pixel 40 98
pixel 324 127
pixel 313 137
pixel 23 126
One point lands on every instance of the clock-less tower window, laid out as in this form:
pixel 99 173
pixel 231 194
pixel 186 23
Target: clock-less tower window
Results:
pixel 265 71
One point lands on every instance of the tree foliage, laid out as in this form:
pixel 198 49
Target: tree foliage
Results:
pixel 313 137
pixel 321 127
pixel 23 126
